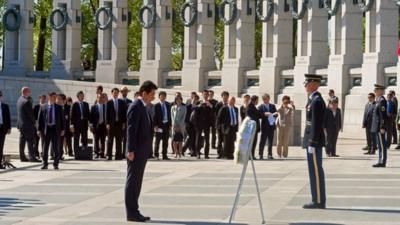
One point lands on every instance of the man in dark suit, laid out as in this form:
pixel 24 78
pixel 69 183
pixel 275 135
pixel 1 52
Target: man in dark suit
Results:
pixel 139 145
pixel 254 114
pixel 5 126
pixel 203 117
pixel 68 134
pixel 314 140
pixel 190 129
pixel 218 107
pixel 214 131
pixel 80 121
pixel 98 121
pixel 162 125
pixel 392 114
pixel 36 109
pixel 26 125
pixel 116 122
pixel 332 125
pixel 268 126
pixel 229 122
pixel 124 92
pixel 395 104
pixel 50 128
pixel 367 123
pixel 61 101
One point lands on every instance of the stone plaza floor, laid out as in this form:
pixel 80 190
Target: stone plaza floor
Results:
pixel 190 191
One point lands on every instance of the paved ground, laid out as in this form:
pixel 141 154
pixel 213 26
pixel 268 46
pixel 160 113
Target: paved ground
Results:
pixel 195 192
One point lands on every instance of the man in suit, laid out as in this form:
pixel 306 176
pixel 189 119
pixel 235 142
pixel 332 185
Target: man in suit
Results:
pixel 190 129
pixel 98 121
pixel 5 126
pixel 314 140
pixel 367 123
pixel 162 125
pixel 124 92
pixel 36 109
pixel 214 103
pixel 332 125
pixel 268 126
pixel 218 107
pixel 395 104
pixel 229 122
pixel 80 121
pixel 139 145
pixel 68 134
pixel 254 114
pixel 392 113
pixel 50 128
pixel 380 124
pixel 61 101
pixel 116 122
pixel 26 125
pixel 203 117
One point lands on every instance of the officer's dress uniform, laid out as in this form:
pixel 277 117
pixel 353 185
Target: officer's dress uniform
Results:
pixel 380 121
pixel 314 137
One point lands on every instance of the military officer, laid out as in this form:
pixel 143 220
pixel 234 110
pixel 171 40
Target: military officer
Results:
pixel 380 122
pixel 314 140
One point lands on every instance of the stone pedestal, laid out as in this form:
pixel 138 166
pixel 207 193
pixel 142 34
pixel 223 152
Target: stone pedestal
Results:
pixel 312 46
pixel 156 44
pixel 66 44
pixel 345 47
pixel 113 47
pixel 199 49
pixel 239 47
pixel 380 44
pixel 276 49
pixel 18 57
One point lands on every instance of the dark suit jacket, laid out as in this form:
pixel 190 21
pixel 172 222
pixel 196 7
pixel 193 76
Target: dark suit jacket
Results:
pixel 36 110
pixel 314 135
pixel 58 117
pixel 111 116
pixel 95 115
pixel 203 116
pixel 6 118
pixel 67 117
pixel 76 116
pixel 139 131
pixel 333 123
pixel 225 120
pixel 158 115
pixel 254 114
pixel 26 118
pixel 264 121
pixel 368 112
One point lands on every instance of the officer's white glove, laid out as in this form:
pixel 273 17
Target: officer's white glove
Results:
pixel 311 150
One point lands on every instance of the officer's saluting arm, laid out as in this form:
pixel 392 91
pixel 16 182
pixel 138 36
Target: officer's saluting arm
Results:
pixel 317 122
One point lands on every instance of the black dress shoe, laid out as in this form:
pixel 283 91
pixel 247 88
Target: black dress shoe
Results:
pixel 146 218
pixel 109 158
pixel 366 148
pixel 56 167
pixel 397 147
pixel 335 155
pixel 261 157
pixel 44 167
pixel 314 206
pixel 2 167
pixel 379 165
pixel 166 158
pixel 270 157
pixel 136 219
pixel 35 160
pixel 367 153
pixel 206 157
pixel 24 160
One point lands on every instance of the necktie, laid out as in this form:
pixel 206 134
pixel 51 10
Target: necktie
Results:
pixel 1 115
pixel 164 111
pixel 104 112
pixel 116 109
pixel 81 107
pixel 50 116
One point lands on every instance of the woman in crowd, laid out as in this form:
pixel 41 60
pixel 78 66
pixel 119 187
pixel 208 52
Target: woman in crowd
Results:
pixel 178 114
pixel 332 125
pixel 243 107
pixel 284 123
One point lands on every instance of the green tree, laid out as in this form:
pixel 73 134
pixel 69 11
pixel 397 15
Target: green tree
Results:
pixel 134 36
pixel 89 38
pixel 42 34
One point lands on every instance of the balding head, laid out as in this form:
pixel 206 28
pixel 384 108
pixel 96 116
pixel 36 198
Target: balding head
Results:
pixel 25 91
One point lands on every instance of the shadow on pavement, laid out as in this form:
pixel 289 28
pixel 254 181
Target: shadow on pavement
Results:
pixel 366 210
pixel 8 205
pixel 315 223
pixel 190 222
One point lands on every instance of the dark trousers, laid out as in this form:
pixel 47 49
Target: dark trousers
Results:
pixel 133 186
pixel 52 137
pixel 37 141
pixel 2 139
pixel 221 139
pixel 229 143
pixel 190 142
pixel 199 132
pixel 214 129
pixel 61 146
pixel 100 139
pixel 30 140
pixel 371 139
pixel 331 140
pixel 115 132
pixel 394 132
pixel 80 134
pixel 382 146
pixel 317 176
pixel 389 133
pixel 68 142
pixel 161 137
pixel 267 137
pixel 124 134
pixel 253 147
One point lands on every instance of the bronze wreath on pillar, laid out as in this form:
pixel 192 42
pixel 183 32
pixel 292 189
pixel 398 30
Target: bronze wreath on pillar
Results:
pixel 259 10
pixel 64 14
pixel 108 11
pixel 293 12
pixel 153 15
pixel 17 16
pixel 366 7
pixel 233 9
pixel 335 9
pixel 193 9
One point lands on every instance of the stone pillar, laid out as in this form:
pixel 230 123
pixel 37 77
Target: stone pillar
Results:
pixel 199 50
pixel 66 43
pixel 380 44
pixel 277 48
pixel 156 44
pixel 312 46
pixel 345 47
pixel 239 46
pixel 18 57
pixel 113 43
